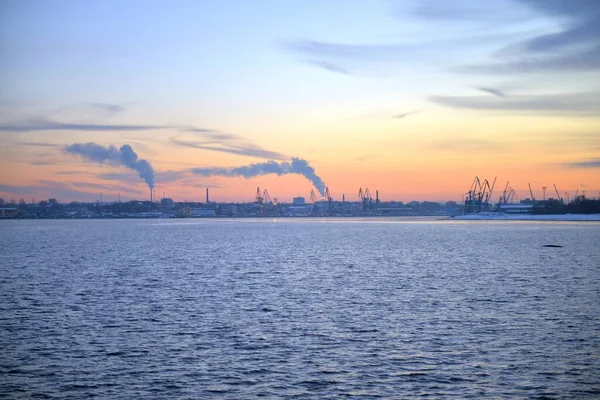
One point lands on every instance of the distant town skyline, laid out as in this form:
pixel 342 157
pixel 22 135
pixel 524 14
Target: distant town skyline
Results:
pixel 413 98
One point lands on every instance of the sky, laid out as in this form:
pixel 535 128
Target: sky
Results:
pixel 411 98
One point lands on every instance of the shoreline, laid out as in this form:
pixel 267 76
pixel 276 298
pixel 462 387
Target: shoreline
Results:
pixel 526 217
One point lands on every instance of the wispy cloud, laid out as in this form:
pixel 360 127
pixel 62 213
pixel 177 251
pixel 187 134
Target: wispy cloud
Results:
pixel 348 51
pixel 551 63
pixel 41 125
pixel 128 177
pixel 43 163
pixel 38 144
pixel 48 188
pixel 73 172
pixel 171 176
pixel 16 189
pixel 498 34
pixel 396 57
pixel 467 144
pixel 106 187
pixel 573 46
pixel 226 143
pixel 109 109
pixel 492 91
pixel 405 114
pixel 592 163
pixel 196 184
pixel 331 67
pixel 470 13
pixel 569 103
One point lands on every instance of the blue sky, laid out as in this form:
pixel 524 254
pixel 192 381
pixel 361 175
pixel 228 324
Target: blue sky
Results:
pixel 312 79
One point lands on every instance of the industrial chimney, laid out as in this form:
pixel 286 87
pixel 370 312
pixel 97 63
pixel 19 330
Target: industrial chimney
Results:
pixel 207 196
pixel 150 195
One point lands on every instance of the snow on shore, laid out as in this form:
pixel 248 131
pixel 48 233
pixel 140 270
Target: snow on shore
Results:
pixel 527 217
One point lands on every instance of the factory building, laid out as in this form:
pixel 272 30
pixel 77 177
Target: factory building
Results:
pixel 299 201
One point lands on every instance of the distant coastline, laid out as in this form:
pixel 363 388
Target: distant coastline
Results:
pixel 526 217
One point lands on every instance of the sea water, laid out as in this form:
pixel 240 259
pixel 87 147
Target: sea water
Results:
pixel 299 308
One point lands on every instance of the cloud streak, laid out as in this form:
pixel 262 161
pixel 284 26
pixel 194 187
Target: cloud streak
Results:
pixel 108 108
pixel 570 103
pixel 48 188
pixel 466 144
pixel 100 186
pixel 492 91
pixel 593 163
pixel 43 125
pixel 574 46
pixel 405 114
pixel 328 66
pixel 226 143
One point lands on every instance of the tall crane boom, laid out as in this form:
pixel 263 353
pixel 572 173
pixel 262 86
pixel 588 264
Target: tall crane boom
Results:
pixel 266 197
pixel 557 195
pixel 328 195
pixel 367 196
pixel 503 195
pixel 531 192
pixel 259 197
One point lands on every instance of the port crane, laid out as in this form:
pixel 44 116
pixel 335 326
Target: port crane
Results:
pixel 531 193
pixel 485 195
pixel 508 195
pixel 263 197
pixel 328 196
pixel 479 195
pixel 557 194
pixel 313 196
pixel 365 197
pixel 266 197
pixel 471 196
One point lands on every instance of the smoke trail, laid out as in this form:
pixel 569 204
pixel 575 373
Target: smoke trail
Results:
pixel 111 155
pixel 295 166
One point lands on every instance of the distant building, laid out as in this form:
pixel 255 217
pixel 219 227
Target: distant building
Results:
pixel 8 212
pixel 298 211
pixel 299 201
pixel 202 212
pixel 227 209
pixel 166 201
pixel 52 201
pixel 515 208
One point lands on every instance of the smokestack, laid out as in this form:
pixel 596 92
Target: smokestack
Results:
pixel 207 196
pixel 343 198
pixel 150 195
pixel 377 196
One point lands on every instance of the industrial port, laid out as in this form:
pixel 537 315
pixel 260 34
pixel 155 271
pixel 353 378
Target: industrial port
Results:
pixel 479 198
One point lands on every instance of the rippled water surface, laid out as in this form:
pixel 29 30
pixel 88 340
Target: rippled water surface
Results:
pixel 299 309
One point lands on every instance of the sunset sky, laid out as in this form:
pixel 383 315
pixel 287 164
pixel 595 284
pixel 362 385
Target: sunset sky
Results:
pixel 413 98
